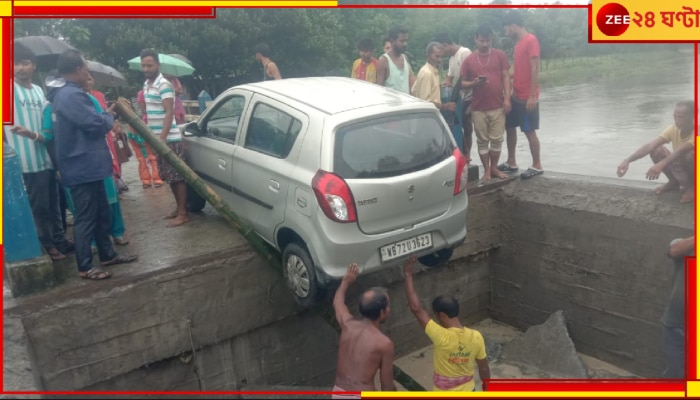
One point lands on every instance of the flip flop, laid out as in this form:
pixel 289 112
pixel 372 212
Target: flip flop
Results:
pixel 95 274
pixel 121 260
pixel 531 172
pixel 507 168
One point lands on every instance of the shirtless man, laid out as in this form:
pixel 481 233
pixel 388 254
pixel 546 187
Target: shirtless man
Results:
pixel 270 70
pixel 363 348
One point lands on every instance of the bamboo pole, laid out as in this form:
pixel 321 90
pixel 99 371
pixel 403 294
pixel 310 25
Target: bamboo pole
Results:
pixel 124 110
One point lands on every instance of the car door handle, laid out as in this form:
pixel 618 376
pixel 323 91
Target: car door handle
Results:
pixel 222 164
pixel 274 185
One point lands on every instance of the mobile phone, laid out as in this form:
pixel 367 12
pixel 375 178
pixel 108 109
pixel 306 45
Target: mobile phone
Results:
pixel 482 77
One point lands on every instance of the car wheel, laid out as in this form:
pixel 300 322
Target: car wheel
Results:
pixel 436 259
pixel 300 274
pixel 195 202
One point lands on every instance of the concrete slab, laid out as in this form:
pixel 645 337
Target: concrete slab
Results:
pixel 30 276
pixel 419 364
pixel 547 347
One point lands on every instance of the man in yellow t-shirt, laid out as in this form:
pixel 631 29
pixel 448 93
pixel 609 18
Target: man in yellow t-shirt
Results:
pixel 456 349
pixel 678 165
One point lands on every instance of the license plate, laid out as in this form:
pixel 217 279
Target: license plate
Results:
pixel 405 247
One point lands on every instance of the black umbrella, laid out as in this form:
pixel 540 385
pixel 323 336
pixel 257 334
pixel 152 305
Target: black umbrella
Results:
pixel 181 57
pixel 45 48
pixel 105 75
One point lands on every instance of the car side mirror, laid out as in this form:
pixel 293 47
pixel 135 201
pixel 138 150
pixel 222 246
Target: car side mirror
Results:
pixel 192 129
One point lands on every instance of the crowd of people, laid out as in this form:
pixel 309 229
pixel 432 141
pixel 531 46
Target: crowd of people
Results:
pixel 487 97
pixel 71 146
pixel 475 96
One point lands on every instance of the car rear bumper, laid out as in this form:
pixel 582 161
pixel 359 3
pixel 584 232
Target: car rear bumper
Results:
pixel 339 245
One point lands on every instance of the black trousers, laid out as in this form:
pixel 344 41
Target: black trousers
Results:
pixel 44 200
pixel 92 220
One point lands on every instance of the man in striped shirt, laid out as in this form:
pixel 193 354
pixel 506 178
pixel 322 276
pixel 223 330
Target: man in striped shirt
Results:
pixel 38 171
pixel 160 105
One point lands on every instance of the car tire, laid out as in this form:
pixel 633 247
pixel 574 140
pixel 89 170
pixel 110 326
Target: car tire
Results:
pixel 195 202
pixel 436 259
pixel 300 275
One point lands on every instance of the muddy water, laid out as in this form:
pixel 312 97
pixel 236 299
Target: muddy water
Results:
pixel 588 129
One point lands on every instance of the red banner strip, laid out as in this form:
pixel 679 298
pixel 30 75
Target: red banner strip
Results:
pixel 7 69
pixel 113 11
pixel 691 308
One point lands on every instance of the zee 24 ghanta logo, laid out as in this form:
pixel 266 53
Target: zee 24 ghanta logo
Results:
pixel 613 19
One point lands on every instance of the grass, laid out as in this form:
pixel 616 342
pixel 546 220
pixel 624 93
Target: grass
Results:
pixel 618 68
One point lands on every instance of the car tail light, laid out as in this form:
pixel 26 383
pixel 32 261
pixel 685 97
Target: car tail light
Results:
pixel 462 172
pixel 334 197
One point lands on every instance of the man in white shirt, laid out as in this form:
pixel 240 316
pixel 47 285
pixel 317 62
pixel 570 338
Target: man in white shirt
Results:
pixel 458 54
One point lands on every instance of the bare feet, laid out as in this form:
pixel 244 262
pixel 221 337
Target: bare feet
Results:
pixel 486 177
pixel 171 215
pixel 688 195
pixel 498 174
pixel 668 186
pixel 178 220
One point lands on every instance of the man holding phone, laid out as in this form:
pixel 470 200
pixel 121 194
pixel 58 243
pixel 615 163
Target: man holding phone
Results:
pixel 485 72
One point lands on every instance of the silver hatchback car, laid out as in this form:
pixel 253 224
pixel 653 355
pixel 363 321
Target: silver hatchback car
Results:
pixel 332 171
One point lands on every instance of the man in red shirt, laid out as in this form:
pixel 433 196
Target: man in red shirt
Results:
pixel 525 111
pixel 485 72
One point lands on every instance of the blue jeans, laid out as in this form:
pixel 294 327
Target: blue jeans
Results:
pixel 674 352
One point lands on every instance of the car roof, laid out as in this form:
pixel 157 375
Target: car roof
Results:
pixel 333 95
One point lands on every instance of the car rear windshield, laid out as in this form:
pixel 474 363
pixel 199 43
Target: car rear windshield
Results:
pixel 390 146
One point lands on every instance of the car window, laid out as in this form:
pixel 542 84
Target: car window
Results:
pixel 390 146
pixel 271 131
pixel 223 121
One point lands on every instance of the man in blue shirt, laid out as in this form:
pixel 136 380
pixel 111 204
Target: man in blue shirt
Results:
pixel 84 161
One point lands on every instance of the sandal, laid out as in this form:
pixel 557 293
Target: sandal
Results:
pixel 507 168
pixel 55 254
pixel 95 274
pixel 531 172
pixel 121 260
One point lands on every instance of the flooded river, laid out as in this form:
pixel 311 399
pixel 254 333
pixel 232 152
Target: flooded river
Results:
pixel 587 129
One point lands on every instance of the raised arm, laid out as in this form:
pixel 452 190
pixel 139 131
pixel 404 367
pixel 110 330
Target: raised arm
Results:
pixel 342 314
pixel 413 300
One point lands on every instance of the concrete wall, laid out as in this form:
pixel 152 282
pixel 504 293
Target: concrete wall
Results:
pixel 591 248
pixel 597 251
pixel 236 314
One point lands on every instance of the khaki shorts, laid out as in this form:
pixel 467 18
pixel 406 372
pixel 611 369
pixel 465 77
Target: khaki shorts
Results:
pixel 489 127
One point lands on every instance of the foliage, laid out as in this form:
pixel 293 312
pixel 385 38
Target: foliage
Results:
pixel 304 41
